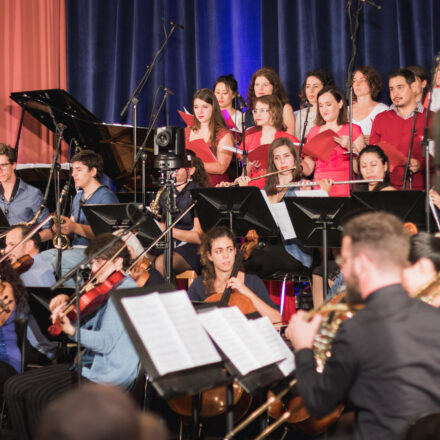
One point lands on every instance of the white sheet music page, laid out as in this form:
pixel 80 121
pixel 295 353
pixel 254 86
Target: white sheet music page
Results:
pixel 281 217
pixel 224 335
pixel 158 333
pixel 272 338
pixel 191 332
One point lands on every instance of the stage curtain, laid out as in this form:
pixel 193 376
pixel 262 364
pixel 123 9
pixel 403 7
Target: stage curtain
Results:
pixel 110 43
pixel 33 54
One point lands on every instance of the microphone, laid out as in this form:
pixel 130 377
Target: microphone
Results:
pixel 173 23
pixel 168 91
pixel 371 3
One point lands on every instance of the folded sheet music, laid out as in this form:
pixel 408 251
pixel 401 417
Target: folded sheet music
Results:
pixel 169 329
pixel 248 346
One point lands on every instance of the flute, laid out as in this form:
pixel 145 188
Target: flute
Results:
pixel 266 175
pixel 340 182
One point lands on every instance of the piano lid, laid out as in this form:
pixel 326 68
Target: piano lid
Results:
pixel 113 141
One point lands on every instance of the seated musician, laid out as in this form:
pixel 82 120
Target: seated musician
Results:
pixel 33 271
pixel 218 256
pixel 188 230
pixel 109 356
pixel 424 258
pixel 289 254
pixel 385 360
pixel 19 201
pixel 13 295
pixel 87 170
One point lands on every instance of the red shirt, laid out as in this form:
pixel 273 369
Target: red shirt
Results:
pixel 389 126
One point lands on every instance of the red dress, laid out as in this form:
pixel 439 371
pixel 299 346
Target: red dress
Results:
pixel 253 141
pixel 214 179
pixel 338 166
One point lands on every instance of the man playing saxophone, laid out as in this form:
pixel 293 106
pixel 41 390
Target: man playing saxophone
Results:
pixel 385 360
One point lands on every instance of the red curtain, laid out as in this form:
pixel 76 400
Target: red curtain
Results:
pixel 33 57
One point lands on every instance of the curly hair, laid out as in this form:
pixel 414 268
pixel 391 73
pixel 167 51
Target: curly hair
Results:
pixel 325 77
pixel 217 121
pixel 231 83
pixel 9 275
pixel 272 181
pixel 276 108
pixel 274 79
pixel 208 270
pixel 337 94
pixel 373 78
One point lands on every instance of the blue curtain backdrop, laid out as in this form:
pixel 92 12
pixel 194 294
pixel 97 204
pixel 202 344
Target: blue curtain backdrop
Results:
pixel 111 42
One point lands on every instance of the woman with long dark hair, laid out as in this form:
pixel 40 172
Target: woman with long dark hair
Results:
pixel 226 91
pixel 210 128
pixel 217 254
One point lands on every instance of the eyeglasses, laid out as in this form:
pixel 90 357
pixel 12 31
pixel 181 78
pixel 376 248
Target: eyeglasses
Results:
pixel 4 166
pixel 255 111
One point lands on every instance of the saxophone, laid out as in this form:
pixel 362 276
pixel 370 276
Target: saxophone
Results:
pixel 63 242
pixel 154 205
pixel 430 292
pixel 334 312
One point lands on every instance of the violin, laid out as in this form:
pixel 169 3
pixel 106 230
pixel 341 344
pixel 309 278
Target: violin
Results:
pixel 232 298
pixel 89 301
pixel 22 264
pixel 140 271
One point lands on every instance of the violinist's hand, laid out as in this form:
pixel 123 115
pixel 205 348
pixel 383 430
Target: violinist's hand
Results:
pixel 301 331
pixel 325 184
pixel 59 300
pixel 242 180
pixel 59 316
pixel 343 141
pixel 414 165
pixel 235 284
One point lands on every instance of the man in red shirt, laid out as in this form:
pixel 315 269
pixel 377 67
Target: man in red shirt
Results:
pixel 395 125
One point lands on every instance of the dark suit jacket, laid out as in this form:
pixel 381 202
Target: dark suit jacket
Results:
pixel 385 361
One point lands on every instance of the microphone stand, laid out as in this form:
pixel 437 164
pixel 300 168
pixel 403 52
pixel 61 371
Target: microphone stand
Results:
pixel 243 137
pixel 426 155
pixel 303 135
pixel 407 171
pixel 134 100
pixel 141 152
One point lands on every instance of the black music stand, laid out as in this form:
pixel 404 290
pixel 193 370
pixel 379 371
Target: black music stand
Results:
pixel 114 216
pixel 409 206
pixel 238 208
pixel 4 224
pixel 317 223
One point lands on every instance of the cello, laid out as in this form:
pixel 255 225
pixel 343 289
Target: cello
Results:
pixel 213 403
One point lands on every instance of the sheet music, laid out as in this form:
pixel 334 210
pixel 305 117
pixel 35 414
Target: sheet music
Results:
pixel 281 217
pixel 311 193
pixel 164 343
pixel 273 339
pixel 228 340
pixel 434 213
pixel 233 149
pixel 239 340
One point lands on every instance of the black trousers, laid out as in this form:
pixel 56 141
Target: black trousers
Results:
pixel 28 393
pixel 6 371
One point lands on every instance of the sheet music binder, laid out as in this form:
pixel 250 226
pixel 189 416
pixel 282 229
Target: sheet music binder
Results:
pixel 182 382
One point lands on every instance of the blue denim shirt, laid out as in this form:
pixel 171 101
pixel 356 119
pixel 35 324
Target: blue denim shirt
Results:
pixel 113 357
pixel 101 196
pixel 23 205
